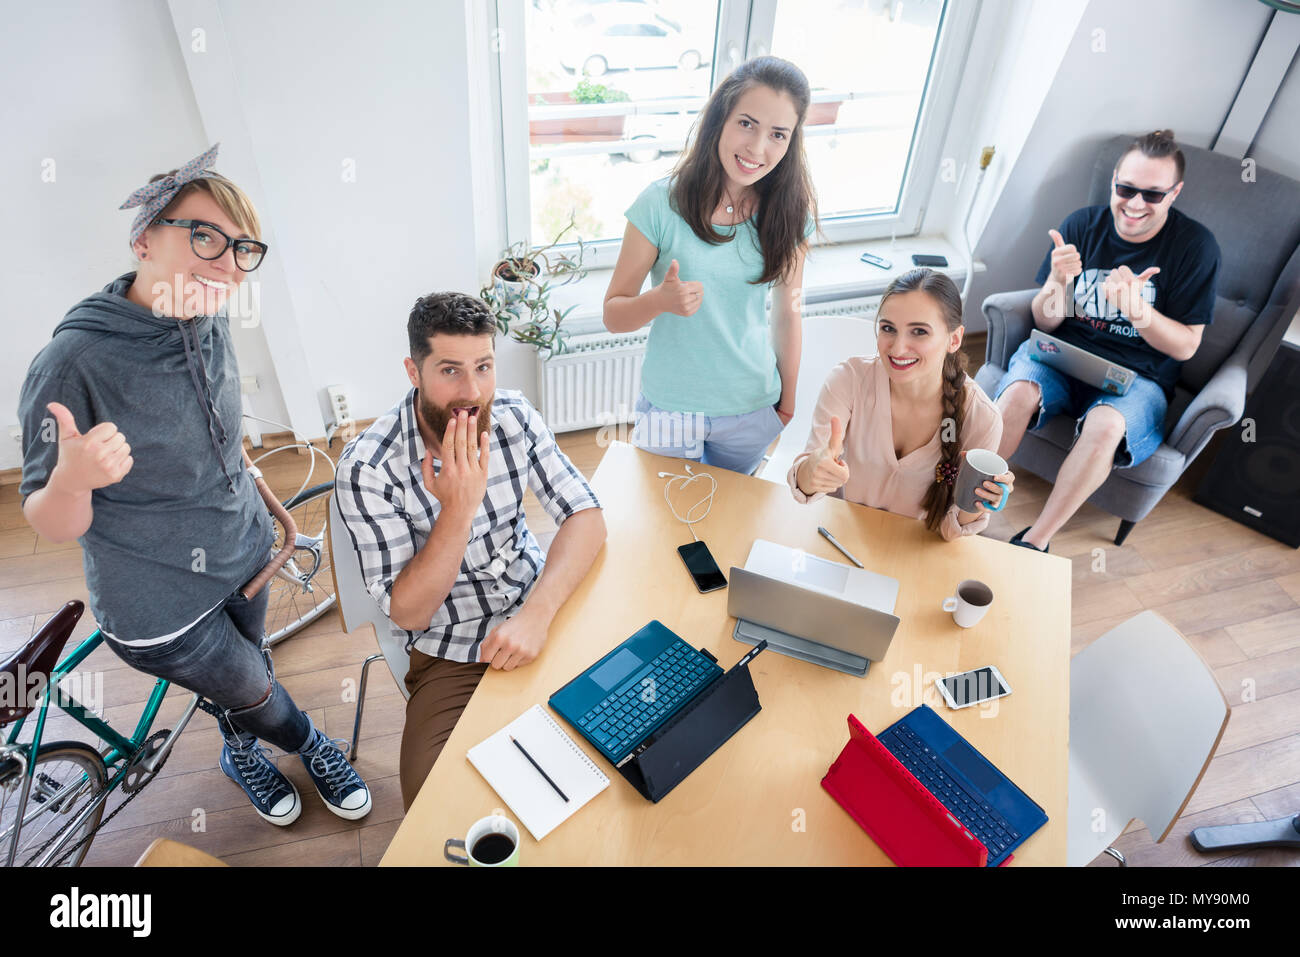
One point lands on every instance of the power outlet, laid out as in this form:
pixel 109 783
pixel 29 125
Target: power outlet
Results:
pixel 16 433
pixel 340 406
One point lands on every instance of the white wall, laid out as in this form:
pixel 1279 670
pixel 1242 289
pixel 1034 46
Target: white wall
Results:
pixel 1277 147
pixel 100 90
pixel 383 86
pixel 1184 79
pixel 357 116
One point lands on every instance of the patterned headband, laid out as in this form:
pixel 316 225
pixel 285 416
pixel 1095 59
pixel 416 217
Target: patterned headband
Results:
pixel 156 195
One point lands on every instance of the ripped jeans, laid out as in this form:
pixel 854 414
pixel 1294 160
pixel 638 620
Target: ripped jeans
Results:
pixel 222 659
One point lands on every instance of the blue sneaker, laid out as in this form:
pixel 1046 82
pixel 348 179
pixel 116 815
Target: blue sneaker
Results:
pixel 338 784
pixel 273 795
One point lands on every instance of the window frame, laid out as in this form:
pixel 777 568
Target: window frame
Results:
pixel 742 25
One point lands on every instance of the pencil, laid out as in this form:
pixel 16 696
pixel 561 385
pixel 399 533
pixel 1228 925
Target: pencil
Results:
pixel 539 769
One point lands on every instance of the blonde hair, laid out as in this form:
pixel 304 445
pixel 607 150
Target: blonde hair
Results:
pixel 234 202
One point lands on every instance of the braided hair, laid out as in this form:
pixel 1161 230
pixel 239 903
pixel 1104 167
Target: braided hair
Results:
pixel 944 292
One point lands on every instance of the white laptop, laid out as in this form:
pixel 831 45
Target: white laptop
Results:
pixel 797 567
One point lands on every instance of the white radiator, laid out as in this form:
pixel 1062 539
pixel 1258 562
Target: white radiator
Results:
pixel 595 381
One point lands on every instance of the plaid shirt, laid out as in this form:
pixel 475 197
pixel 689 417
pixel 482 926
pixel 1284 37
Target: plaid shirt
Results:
pixel 390 515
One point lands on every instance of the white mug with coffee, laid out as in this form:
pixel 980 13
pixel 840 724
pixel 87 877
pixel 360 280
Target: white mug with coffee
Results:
pixel 971 602
pixel 492 841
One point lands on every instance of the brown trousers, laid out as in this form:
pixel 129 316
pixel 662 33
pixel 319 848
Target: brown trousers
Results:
pixel 439 689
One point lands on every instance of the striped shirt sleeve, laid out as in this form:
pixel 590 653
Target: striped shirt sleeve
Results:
pixel 558 485
pixel 372 509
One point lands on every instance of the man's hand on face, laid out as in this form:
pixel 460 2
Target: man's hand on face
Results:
pixel 516 641
pixel 1123 290
pixel 461 483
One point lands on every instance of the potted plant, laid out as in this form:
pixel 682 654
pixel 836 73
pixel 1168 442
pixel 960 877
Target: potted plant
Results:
pixel 520 289
pixel 583 128
pixel 824 113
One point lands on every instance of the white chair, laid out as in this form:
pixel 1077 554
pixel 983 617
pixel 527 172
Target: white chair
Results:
pixel 827 341
pixel 1146 716
pixel 357 608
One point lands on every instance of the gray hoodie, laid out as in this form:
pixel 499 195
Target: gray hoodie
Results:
pixel 186 526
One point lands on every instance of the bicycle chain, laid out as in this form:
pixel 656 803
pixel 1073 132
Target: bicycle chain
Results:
pixel 204 705
pixel 72 850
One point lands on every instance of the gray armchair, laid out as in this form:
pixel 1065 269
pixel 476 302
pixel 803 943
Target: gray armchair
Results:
pixel 1257 225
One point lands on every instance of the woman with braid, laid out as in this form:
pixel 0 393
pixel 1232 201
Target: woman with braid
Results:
pixel 890 430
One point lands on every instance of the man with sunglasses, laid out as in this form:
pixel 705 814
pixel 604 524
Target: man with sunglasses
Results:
pixel 1132 282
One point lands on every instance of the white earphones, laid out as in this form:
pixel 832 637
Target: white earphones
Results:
pixel 686 480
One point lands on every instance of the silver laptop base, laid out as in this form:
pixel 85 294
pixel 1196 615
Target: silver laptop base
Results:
pixel 801 648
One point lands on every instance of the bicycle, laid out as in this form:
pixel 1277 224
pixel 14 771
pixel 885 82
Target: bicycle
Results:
pixel 65 785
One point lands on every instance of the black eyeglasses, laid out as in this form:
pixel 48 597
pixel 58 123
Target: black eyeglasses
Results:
pixel 209 242
pixel 1152 196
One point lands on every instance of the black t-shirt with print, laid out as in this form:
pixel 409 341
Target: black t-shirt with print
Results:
pixel 1183 290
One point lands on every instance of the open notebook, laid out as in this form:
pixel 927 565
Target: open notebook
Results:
pixel 519 784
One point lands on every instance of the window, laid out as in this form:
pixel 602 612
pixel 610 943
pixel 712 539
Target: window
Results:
pixel 612 88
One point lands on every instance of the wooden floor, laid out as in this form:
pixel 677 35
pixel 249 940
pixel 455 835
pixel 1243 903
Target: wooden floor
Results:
pixel 1233 592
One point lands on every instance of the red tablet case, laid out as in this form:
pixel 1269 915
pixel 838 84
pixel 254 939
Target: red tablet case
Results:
pixel 898 811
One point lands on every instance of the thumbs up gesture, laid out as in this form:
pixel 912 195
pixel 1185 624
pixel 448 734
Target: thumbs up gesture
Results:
pixel 86 462
pixel 824 470
pixel 678 296
pixel 1066 260
pixel 1124 291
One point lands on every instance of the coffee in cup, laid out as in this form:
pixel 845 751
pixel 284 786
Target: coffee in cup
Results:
pixel 491 842
pixel 971 602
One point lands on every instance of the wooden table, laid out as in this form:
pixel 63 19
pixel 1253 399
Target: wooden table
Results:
pixel 758 799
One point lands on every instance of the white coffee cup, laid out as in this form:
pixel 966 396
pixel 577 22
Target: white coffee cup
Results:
pixel 971 602
pixel 494 827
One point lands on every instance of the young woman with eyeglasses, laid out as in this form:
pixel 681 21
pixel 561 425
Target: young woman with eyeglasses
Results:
pixel 132 436
pixel 729 225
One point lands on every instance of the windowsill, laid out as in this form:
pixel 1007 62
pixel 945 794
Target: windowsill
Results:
pixel 832 272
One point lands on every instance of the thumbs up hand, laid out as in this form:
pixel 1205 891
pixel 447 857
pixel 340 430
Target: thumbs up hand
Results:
pixel 678 296
pixel 824 470
pixel 1124 290
pixel 99 458
pixel 1066 260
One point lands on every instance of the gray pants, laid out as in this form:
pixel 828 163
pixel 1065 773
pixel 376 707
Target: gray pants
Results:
pixel 222 659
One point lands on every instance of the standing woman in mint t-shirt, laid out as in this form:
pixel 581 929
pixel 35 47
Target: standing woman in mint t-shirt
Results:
pixel 731 223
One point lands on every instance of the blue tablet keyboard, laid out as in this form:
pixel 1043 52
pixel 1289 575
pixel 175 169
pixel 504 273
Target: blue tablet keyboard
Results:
pixel 970 807
pixel 638 705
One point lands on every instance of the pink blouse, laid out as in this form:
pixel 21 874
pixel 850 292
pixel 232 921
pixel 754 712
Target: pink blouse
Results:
pixel 857 390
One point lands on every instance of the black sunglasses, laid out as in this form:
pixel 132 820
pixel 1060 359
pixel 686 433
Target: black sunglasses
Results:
pixel 1152 196
pixel 209 242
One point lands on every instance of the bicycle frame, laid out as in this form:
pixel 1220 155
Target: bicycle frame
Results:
pixel 120 748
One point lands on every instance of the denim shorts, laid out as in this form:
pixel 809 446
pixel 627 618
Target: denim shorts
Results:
pixel 735 442
pixel 1143 406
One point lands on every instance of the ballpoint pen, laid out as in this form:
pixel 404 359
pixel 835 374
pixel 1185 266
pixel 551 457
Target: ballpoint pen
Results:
pixel 844 551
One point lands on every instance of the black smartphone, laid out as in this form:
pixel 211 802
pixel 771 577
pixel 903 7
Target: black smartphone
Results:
pixel 925 260
pixel 704 570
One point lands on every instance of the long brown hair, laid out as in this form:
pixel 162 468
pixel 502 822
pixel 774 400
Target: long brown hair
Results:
pixel 785 195
pixel 944 293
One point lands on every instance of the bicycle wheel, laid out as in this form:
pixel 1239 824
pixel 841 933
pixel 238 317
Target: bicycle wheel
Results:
pixel 68 776
pixel 303 590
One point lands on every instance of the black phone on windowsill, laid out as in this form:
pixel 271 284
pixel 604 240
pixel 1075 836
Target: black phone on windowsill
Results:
pixel 920 259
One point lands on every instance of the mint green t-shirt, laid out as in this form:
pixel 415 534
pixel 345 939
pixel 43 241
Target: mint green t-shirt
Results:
pixel 719 361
